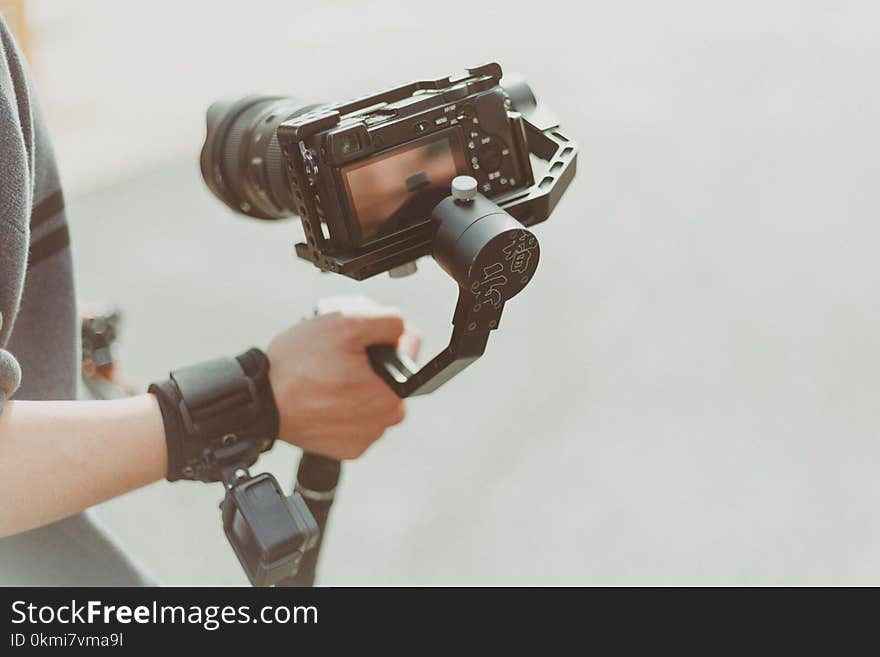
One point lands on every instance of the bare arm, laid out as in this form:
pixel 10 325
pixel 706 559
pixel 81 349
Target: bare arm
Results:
pixel 60 457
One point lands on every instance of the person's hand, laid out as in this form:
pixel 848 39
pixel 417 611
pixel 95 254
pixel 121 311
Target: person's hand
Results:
pixel 330 401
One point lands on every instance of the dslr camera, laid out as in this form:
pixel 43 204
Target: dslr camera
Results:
pixel 365 175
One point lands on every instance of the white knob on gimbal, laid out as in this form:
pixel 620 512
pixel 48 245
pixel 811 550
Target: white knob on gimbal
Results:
pixel 464 188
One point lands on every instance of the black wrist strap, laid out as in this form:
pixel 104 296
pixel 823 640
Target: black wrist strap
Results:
pixel 218 414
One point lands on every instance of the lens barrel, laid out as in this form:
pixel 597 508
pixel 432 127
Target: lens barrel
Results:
pixel 241 160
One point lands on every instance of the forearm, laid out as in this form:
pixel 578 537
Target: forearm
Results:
pixel 60 457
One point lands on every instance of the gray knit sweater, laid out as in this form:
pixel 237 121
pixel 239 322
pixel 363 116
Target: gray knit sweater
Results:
pixel 38 327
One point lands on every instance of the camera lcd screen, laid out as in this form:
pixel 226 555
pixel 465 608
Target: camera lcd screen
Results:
pixel 398 189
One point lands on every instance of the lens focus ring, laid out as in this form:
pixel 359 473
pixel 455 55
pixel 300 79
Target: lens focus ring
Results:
pixel 242 161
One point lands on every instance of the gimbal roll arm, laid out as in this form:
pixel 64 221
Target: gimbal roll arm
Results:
pixel 491 257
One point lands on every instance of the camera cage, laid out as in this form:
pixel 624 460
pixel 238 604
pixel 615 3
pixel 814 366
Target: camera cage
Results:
pixel 534 130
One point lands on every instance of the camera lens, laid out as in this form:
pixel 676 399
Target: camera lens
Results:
pixel 242 162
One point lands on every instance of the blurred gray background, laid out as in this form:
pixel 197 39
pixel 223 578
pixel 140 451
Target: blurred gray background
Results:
pixel 686 394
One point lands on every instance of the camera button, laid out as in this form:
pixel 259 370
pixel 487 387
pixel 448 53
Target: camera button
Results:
pixel 421 126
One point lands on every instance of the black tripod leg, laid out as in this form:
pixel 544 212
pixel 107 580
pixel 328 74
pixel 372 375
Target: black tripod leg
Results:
pixel 316 480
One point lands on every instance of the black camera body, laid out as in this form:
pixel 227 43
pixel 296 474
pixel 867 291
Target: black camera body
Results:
pixel 350 163
pixel 365 175
pixel 459 128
